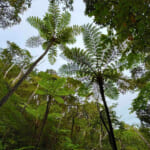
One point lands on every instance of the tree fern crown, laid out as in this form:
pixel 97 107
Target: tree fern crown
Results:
pixel 54 27
pixel 97 60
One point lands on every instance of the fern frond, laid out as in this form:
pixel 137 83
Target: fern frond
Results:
pixel 110 90
pixel 36 22
pixel 91 37
pixel 69 69
pixel 54 14
pixel 72 69
pixel 67 35
pixel 80 57
pixel 63 21
pixel 34 41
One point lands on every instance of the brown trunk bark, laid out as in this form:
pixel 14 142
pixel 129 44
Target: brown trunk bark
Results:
pixel 72 128
pixel 43 123
pixel 14 88
pixel 111 132
pixel 102 119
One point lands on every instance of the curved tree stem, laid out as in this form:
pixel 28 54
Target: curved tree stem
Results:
pixel 8 70
pixel 14 88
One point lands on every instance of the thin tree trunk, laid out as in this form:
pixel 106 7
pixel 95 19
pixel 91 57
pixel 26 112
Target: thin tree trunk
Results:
pixel 43 123
pixel 72 128
pixel 111 135
pixel 142 137
pixel 18 77
pixel 30 98
pixel 14 88
pixel 102 119
pixel 8 70
pixel 100 141
pixel 73 123
pixel 57 135
pixel 104 123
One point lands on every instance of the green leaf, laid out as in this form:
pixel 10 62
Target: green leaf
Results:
pixel 44 84
pixel 41 92
pixel 59 99
pixel 64 92
pixel 54 116
pixel 59 83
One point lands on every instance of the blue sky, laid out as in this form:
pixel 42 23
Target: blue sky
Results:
pixel 20 33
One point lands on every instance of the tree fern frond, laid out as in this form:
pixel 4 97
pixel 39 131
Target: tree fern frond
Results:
pixel 34 41
pixel 124 84
pixel 36 22
pixel 69 69
pixel 91 37
pixel 48 22
pixel 63 21
pixel 111 73
pixel 110 90
pixel 80 57
pixel 68 34
pixel 76 30
pixel 54 13
pixel 74 69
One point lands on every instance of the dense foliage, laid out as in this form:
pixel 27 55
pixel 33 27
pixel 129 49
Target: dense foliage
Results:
pixel 69 109
pixel 10 11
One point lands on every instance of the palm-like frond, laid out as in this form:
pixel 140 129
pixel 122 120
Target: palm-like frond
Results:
pixel 81 58
pixel 36 22
pixel 63 21
pixel 99 46
pixel 91 37
pixel 98 59
pixel 69 69
pixel 72 69
pixel 54 12
pixel 68 34
pixel 34 41
pixel 54 27
pixel 110 90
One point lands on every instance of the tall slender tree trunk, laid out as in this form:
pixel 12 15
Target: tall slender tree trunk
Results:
pixel 142 137
pixel 14 88
pixel 8 70
pixel 18 77
pixel 72 127
pixel 111 132
pixel 103 122
pixel 30 98
pixel 102 119
pixel 43 123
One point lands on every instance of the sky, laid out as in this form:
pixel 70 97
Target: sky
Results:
pixel 20 33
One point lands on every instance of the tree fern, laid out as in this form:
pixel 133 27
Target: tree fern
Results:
pixel 99 62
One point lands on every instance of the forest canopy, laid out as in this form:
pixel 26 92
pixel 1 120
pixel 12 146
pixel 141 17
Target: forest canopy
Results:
pixel 72 108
